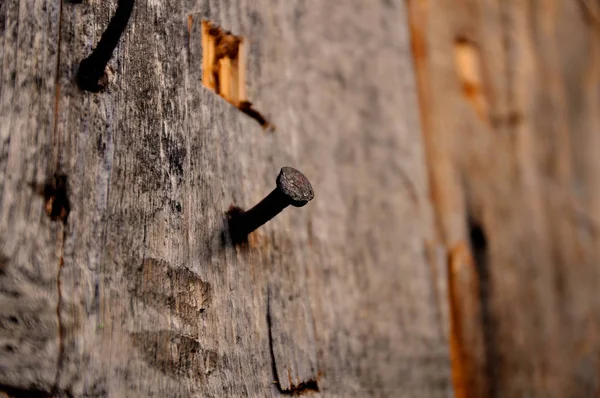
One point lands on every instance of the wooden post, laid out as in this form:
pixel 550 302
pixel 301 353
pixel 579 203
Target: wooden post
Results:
pixel 509 95
pixel 115 278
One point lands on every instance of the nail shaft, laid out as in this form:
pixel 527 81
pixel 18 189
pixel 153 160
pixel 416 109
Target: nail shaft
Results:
pixel 260 214
pixel 91 69
pixel 292 188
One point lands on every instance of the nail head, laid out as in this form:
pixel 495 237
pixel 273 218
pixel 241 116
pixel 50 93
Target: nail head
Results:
pixel 294 185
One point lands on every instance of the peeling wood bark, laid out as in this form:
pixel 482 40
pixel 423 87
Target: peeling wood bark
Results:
pixel 137 292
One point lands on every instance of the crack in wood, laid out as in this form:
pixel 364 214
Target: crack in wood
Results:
pixel 271 351
pixel 61 340
pixel 302 388
pixel 58 207
pixel 479 247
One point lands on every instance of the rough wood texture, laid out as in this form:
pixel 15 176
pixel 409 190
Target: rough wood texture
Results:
pixel 136 293
pixel 509 93
pixel 30 243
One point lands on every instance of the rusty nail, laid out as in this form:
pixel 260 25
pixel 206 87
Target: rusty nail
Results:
pixel 293 188
pixel 91 75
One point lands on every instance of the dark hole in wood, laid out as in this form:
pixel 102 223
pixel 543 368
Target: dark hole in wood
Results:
pixel 24 392
pixel 303 388
pixel 3 264
pixel 236 237
pixel 56 199
pixel 479 246
pixel 478 240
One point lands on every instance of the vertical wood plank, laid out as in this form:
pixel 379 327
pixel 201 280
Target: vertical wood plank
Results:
pixel 334 299
pixel 506 94
pixel 31 244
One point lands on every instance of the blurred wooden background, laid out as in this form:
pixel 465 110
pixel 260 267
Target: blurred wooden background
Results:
pixel 510 99
pixel 451 248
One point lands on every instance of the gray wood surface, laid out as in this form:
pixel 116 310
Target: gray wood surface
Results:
pixel 135 293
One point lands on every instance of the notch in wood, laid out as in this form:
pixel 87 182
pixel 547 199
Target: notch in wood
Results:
pixel 224 68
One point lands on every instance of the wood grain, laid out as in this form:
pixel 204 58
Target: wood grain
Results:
pixel 137 293
pixel 31 245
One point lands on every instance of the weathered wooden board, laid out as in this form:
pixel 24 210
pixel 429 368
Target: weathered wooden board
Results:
pixel 30 243
pixel 509 98
pixel 136 292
